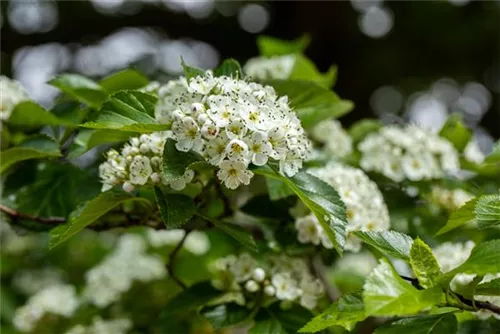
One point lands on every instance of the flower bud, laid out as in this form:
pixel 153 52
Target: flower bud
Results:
pixel 197 107
pixel 259 274
pixel 144 148
pixel 251 286
pixel 128 187
pixel 155 177
pixel 269 290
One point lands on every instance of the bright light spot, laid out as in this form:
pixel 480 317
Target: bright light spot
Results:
pixel 469 107
pixel 386 99
pixel 253 18
pixel 427 111
pixel 376 22
pixel 31 17
pixel 107 6
pixel 479 93
pixel 200 9
pixel 227 8
pixel 363 5
pixel 459 2
pixel 446 90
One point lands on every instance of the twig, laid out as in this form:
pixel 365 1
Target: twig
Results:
pixel 171 261
pixel 476 304
pixel 19 215
pixel 320 271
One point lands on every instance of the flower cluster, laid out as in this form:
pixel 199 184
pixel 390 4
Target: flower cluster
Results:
pixel 336 140
pixel 451 255
pixel 408 153
pixel 283 278
pixel 99 326
pixel 196 242
pixel 233 123
pixel 366 209
pixel 129 262
pixel 449 199
pixel 277 67
pixel 11 93
pixel 30 282
pixel 139 163
pixel 473 153
pixel 56 299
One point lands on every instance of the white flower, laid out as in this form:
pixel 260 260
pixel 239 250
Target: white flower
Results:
pixel 251 286
pixel 140 170
pixel 309 230
pixel 269 290
pixel 259 274
pixel 243 267
pixel 277 67
pixel 286 286
pixel 473 153
pixel 234 173
pixel 100 326
pixel 223 118
pixel 32 281
pixel 408 152
pixel 311 290
pixel 336 140
pixel 58 299
pixel 449 199
pixel 11 94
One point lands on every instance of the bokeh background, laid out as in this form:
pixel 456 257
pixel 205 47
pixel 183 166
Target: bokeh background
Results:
pixel 406 60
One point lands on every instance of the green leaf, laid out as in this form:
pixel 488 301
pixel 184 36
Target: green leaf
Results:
pixel 88 139
pixel 175 209
pixel 321 198
pixel 424 264
pixel 347 311
pixel 291 319
pixel 305 69
pixel 34 148
pixel 124 80
pixel 359 130
pixel 391 243
pixel 31 114
pixel 456 132
pixel 459 217
pixel 491 288
pixel 236 232
pixel 278 189
pixel 484 259
pixel 191 72
pixel 387 294
pixel 176 162
pixel 191 299
pixel 128 111
pixel 488 211
pixel 57 190
pixel 312 102
pixel 266 323
pixel 225 315
pixel 270 46
pixel 80 88
pixel 427 324
pixel 89 213
pixel 231 68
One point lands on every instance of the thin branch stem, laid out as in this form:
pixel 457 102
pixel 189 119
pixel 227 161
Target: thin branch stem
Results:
pixel 171 261
pixel 320 272
pixel 19 215
pixel 476 304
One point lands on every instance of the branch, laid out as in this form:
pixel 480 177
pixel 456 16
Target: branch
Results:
pixel 476 304
pixel 44 220
pixel 320 271
pixel 171 260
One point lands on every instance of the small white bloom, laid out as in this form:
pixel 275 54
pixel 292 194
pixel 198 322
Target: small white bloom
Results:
pixel 237 150
pixel 259 148
pixel 252 286
pixel 188 135
pixel 259 274
pixel 286 286
pixel 140 170
pixel 269 290
pixel 11 94
pixel 128 187
pixel 234 173
pixel 243 267
pixel 216 149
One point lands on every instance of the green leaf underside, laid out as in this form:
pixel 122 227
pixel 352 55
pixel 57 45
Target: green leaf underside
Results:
pixel 230 68
pixel 191 72
pixel 124 80
pixel 484 259
pixel 128 111
pixel 488 211
pixel 89 138
pixel 291 319
pixel 387 294
pixel 31 114
pixel 428 324
pixel 80 88
pixel 266 323
pixel 35 148
pixel 391 243
pixel 491 288
pixel 278 189
pixel 191 299
pixel 176 162
pixel 345 312
pixel 456 132
pixel 459 217
pixel 89 213
pixel 322 199
pixel 236 232
pixel 175 209
pixel 359 130
pixel 305 69
pixel 225 315
pixel 312 102
pixel 270 46
pixel 424 264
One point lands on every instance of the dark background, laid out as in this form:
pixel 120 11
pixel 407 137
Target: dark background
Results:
pixel 429 40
